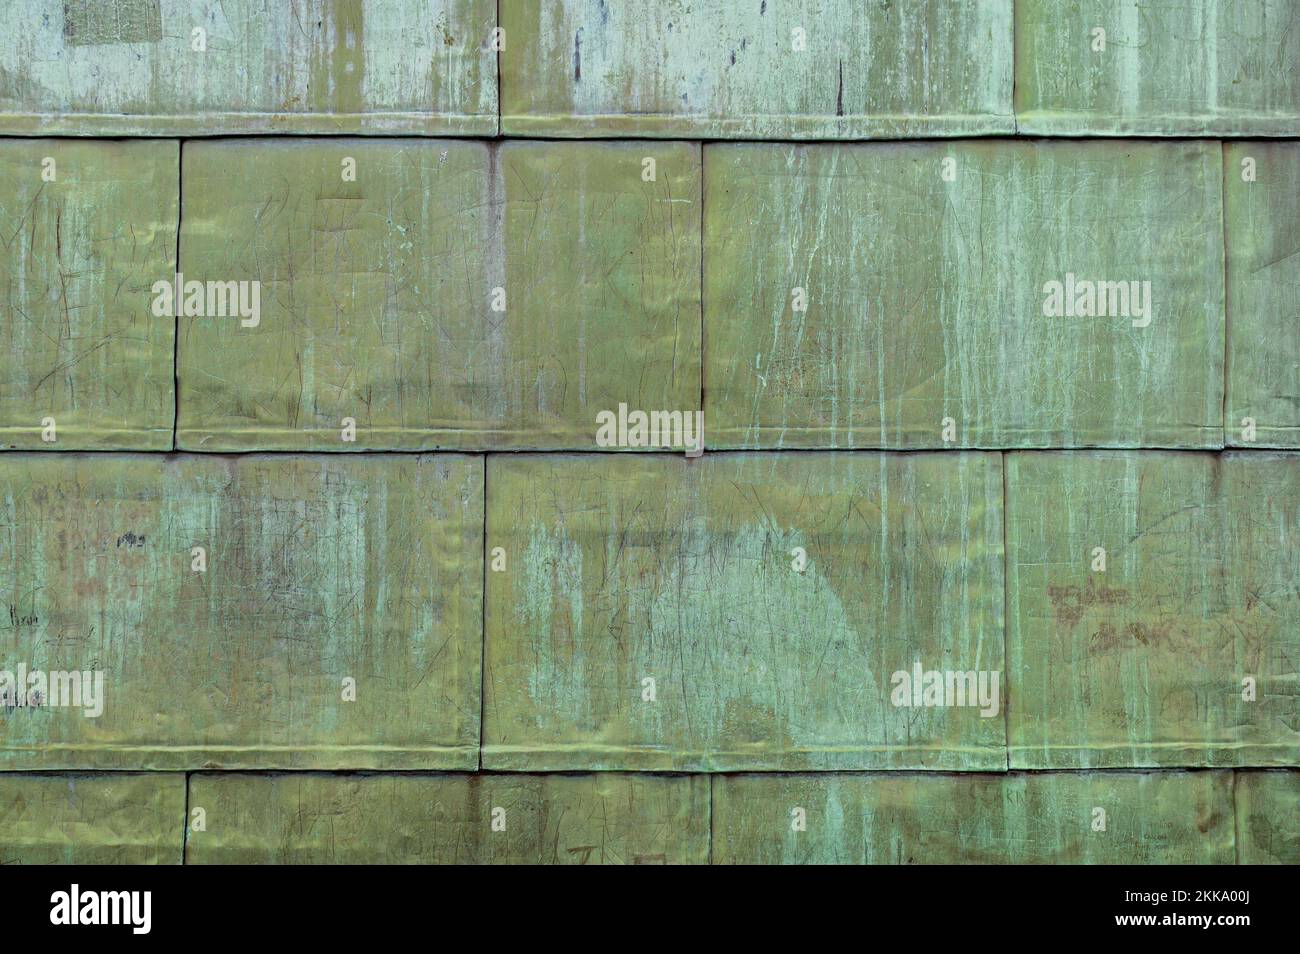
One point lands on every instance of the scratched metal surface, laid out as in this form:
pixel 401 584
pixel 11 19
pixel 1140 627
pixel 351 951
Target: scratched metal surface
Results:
pixel 78 256
pixel 1268 806
pixel 731 70
pixel 1172 68
pixel 103 819
pixel 377 295
pixel 1143 664
pixel 447 819
pixel 925 295
pixel 128 67
pixel 318 569
pixel 1263 242
pixel 623 568
pixel 1150 818
pixel 925 298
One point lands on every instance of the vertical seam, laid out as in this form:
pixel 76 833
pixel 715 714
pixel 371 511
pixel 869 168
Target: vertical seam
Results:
pixel 703 245
pixel 176 320
pixel 1006 610
pixel 1226 342
pixel 185 823
pixel 500 86
pixel 482 657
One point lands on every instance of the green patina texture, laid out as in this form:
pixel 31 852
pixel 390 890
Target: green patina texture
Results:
pixel 1165 818
pixel 378 298
pixel 104 819
pixel 318 569
pixel 925 298
pixel 91 22
pixel 83 236
pixel 913 465
pixel 815 69
pixel 1143 664
pixel 623 568
pixel 1268 807
pixel 1263 240
pixel 1169 68
pixel 129 67
pixel 736 70
pixel 448 819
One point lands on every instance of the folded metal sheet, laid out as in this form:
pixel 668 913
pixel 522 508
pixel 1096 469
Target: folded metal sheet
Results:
pixel 1174 68
pixel 810 69
pixel 195 68
pixel 451 295
pixel 177 612
pixel 103 819
pixel 450 819
pixel 1166 818
pixel 1268 804
pixel 743 611
pixel 1261 185
pixel 969 294
pixel 1153 616
pixel 88 227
